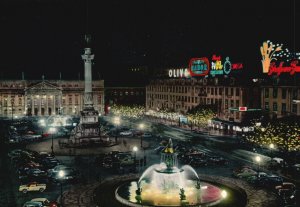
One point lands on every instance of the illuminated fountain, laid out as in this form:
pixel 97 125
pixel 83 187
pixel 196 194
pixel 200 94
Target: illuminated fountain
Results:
pixel 165 184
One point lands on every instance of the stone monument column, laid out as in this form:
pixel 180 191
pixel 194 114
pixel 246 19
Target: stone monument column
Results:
pixel 87 58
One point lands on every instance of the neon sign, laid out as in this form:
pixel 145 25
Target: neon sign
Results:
pixel 292 69
pixel 217 68
pixel 271 53
pixel 199 66
pixel 179 73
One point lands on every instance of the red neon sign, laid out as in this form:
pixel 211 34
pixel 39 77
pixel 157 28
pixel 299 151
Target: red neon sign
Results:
pixel 236 66
pixel 203 70
pixel 292 69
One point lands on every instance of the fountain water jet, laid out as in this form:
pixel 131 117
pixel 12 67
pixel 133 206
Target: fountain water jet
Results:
pixel 165 184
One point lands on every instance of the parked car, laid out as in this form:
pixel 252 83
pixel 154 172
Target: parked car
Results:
pixel 246 173
pixel 147 135
pixel 49 163
pixel 36 173
pixel 43 201
pixel 56 169
pixel 34 186
pixel 70 175
pixel 126 133
pixel 197 162
pixel 218 160
pixel 32 204
pixel 285 189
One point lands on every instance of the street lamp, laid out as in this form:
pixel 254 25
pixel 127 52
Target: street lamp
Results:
pixel 141 127
pixel 52 130
pixel 61 175
pixel 258 160
pixel 272 146
pixel 117 122
pixel 135 149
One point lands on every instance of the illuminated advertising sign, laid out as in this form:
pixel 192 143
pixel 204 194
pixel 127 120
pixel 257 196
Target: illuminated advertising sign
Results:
pixel 179 73
pixel 223 68
pixel 277 60
pixel 199 67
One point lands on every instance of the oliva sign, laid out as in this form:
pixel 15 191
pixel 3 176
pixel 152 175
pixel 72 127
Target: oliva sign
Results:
pixel 179 73
pixel 202 67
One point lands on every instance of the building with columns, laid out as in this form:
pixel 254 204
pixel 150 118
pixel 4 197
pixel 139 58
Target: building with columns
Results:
pixel 47 97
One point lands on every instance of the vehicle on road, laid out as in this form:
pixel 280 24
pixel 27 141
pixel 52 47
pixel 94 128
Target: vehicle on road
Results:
pixel 126 133
pixel 36 173
pixel 70 175
pixel 244 173
pixel 285 189
pixel 34 186
pixel 265 180
pixel 217 160
pixel 197 162
pixel 33 204
pixel 43 201
pixel 56 169
pixel 147 135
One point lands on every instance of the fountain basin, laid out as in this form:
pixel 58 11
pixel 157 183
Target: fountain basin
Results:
pixel 209 195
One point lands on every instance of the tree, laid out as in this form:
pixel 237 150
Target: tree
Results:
pixel 284 135
pixel 201 114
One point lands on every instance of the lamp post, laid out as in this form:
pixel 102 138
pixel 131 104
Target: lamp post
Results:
pixel 52 130
pixel 142 126
pixel 61 175
pixel 117 122
pixel 135 149
pixel 258 160
pixel 271 148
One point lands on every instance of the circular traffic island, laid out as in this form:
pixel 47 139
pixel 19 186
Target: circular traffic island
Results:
pixel 215 191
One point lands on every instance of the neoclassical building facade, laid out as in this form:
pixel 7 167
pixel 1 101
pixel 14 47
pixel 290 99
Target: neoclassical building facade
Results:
pixel 47 97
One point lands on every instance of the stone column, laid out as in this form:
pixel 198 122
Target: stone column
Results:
pixel 88 97
pixel 25 105
pixel 40 105
pixel 47 106
pixel 32 105
pixel 54 111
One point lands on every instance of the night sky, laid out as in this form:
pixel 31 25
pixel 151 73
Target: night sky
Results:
pixel 46 37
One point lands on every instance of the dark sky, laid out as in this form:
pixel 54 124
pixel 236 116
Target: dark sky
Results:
pixel 46 37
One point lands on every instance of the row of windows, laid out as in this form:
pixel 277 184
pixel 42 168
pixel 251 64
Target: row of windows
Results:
pixel 283 93
pixel 126 93
pixel 283 107
pixel 186 89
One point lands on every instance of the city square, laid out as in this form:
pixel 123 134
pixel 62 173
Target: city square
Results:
pixel 152 110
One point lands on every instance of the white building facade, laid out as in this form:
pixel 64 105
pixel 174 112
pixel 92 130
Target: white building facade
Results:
pixel 47 97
